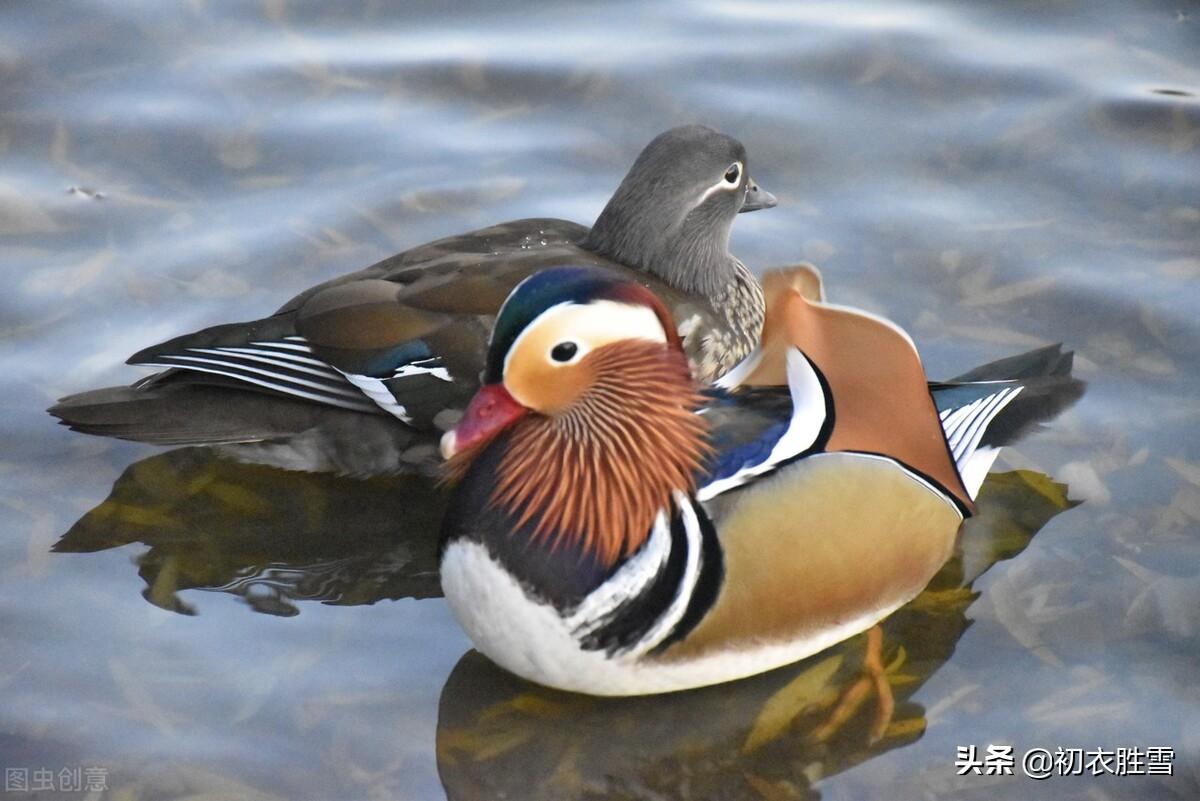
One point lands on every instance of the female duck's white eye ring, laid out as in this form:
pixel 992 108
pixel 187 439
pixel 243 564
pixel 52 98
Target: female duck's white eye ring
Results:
pixel 730 181
pixel 564 352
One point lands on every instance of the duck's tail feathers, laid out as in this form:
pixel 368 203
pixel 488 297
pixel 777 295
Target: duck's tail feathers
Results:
pixel 999 402
pixel 1050 360
pixel 179 413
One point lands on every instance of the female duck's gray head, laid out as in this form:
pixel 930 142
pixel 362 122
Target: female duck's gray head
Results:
pixel 672 214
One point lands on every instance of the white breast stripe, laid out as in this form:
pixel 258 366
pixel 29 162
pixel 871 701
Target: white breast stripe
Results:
pixel 638 574
pixel 628 582
pixel 687 585
pixel 808 416
pixel 503 621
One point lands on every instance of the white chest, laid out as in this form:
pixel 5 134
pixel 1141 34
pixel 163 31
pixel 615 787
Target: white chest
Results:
pixel 523 635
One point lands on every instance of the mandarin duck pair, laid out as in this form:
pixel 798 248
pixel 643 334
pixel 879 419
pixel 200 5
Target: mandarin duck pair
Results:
pixel 663 477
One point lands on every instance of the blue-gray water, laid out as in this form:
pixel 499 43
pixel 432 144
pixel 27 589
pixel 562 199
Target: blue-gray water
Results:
pixel 994 176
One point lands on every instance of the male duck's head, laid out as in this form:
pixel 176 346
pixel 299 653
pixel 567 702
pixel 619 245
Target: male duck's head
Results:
pixel 588 396
pixel 672 213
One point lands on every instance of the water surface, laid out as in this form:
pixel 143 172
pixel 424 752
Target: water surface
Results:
pixel 993 177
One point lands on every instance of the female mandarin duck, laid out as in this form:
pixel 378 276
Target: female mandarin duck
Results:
pixel 407 336
pixel 615 530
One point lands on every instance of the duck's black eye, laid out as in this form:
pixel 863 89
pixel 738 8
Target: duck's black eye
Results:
pixel 564 351
pixel 733 173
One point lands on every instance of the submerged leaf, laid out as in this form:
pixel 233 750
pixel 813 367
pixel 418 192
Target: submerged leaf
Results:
pixel 801 693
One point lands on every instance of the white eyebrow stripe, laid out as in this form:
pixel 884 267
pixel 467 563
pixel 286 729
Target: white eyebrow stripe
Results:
pixel 596 323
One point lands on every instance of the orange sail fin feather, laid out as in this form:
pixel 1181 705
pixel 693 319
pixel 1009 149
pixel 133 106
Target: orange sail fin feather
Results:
pixel 873 370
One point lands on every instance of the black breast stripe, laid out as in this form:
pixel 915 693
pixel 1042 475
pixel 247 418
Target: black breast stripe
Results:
pixel 630 621
pixel 708 585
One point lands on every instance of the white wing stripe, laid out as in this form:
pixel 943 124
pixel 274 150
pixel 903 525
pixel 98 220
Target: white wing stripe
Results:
pixel 285 345
pixel 331 400
pixel 973 429
pixel 958 421
pixel 377 391
pixel 283 355
pixel 333 390
pixel 239 353
pixel 415 368
pixel 971 441
pixel 975 469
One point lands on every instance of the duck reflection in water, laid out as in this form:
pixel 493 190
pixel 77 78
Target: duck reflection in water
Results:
pixel 277 538
pixel 269 535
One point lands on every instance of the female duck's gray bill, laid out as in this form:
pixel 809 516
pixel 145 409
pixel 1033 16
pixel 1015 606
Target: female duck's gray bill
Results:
pixel 757 198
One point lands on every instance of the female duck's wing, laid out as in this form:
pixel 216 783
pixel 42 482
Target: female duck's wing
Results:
pixel 407 336
pixel 265 355
pixel 466 255
pixel 361 345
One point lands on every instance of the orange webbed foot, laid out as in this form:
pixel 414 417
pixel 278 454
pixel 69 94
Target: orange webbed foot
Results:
pixel 873 679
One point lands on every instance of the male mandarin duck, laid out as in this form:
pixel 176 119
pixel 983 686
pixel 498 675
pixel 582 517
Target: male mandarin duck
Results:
pixel 615 529
pixel 407 336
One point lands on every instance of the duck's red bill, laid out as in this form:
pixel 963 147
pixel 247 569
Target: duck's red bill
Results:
pixel 489 411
